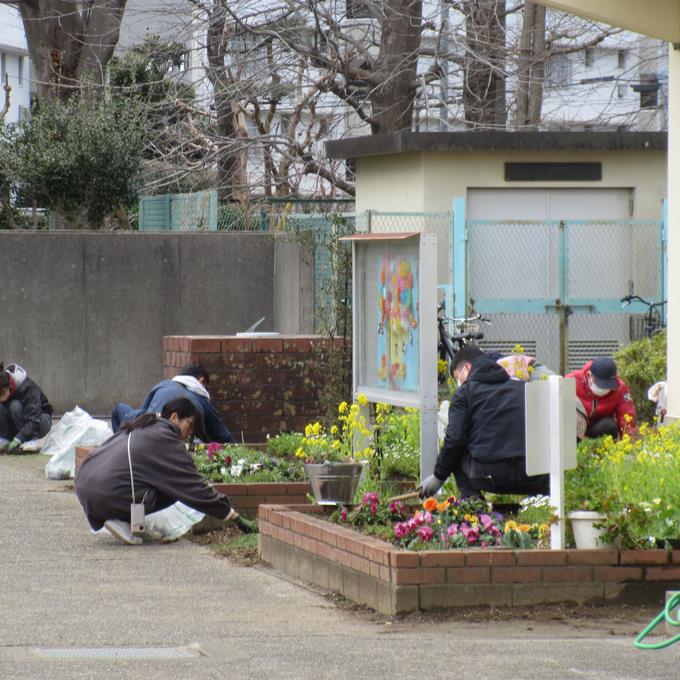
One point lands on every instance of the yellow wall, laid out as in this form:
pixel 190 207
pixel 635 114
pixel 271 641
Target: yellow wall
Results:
pixel 428 181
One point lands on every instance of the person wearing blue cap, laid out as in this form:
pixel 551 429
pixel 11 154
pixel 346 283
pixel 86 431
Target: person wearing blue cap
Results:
pixel 606 399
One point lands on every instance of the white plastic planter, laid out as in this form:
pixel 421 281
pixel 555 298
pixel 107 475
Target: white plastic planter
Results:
pixel 586 535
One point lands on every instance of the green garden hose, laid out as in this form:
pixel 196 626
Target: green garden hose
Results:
pixel 665 614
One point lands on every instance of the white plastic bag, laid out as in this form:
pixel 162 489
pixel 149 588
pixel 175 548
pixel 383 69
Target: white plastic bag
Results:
pixel 76 428
pixel 171 523
pixel 442 420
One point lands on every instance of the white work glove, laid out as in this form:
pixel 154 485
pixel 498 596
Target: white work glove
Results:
pixel 429 486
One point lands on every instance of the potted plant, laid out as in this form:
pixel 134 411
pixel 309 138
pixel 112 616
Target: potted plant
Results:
pixel 587 496
pixel 334 458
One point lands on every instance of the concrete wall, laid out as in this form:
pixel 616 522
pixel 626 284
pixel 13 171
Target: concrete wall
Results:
pixel 430 180
pixel 85 313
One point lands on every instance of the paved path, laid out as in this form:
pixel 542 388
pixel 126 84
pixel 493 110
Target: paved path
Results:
pixel 65 593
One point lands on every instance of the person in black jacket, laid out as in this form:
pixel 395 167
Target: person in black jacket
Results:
pixel 162 471
pixel 25 413
pixel 484 446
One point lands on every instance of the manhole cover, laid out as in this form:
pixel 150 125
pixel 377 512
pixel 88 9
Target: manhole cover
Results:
pixel 116 653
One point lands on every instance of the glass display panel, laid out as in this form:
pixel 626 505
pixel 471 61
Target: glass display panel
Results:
pixel 388 316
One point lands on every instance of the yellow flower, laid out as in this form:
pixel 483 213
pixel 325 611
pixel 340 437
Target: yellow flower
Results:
pixel 509 525
pixel 336 444
pixel 316 428
pixel 518 349
pixel 308 430
pixel 368 452
pixel 334 430
pixel 442 366
pixel 300 453
pixel 441 507
pixel 524 528
pixel 471 518
pixel 342 407
pixel 362 399
pixel 543 528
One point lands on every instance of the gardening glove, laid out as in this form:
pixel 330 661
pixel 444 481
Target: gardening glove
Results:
pixel 14 445
pixel 244 525
pixel 429 486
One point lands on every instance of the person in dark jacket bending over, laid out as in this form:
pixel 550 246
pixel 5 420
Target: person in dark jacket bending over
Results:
pixel 191 382
pixel 484 445
pixel 162 471
pixel 25 413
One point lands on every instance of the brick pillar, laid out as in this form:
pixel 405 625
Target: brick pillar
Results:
pixel 260 386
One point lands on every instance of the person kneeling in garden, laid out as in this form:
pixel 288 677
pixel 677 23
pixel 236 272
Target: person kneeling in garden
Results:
pixel 484 445
pixel 606 400
pixel 149 456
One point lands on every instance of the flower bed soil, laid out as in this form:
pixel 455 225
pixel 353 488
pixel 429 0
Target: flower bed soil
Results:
pixel 300 542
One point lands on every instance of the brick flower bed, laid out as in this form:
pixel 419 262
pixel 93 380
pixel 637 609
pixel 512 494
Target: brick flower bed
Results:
pixel 246 498
pixel 300 542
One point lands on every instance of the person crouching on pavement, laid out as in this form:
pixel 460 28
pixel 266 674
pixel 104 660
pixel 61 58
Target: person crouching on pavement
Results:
pixel 25 413
pixel 484 444
pixel 148 451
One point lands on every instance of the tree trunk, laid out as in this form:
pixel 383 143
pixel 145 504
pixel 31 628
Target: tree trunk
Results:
pixel 531 68
pixel 231 180
pixel 69 45
pixel 394 78
pixel 484 87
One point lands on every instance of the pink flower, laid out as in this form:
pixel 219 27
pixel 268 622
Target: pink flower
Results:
pixel 343 515
pixel 495 532
pixel 452 529
pixel 396 507
pixel 370 497
pixel 471 533
pixel 427 518
pixel 374 507
pixel 485 520
pixel 401 529
pixel 425 533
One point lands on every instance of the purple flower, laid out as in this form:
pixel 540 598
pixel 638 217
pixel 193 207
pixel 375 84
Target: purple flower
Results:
pixel 425 533
pixel 485 520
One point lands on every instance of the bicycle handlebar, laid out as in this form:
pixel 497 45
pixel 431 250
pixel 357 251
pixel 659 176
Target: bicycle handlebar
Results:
pixel 630 298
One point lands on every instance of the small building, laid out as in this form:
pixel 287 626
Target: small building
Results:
pixel 557 227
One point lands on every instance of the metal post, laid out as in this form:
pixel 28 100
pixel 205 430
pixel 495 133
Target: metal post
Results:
pixel 460 238
pixel 556 464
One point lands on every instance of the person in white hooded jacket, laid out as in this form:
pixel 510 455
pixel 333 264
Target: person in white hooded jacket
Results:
pixel 25 412
pixel 191 383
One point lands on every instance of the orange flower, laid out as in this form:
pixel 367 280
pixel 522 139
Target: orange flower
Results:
pixel 441 507
pixel 430 504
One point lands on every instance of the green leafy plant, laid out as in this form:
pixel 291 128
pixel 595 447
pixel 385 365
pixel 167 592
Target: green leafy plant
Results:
pixel 284 444
pixel 225 463
pixel 397 442
pixel 640 365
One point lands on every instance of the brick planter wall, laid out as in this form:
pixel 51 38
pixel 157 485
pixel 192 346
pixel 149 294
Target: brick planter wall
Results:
pixel 246 499
pixel 260 385
pixel 297 541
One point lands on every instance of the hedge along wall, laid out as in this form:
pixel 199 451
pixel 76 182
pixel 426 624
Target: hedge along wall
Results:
pixel 260 386
pixel 297 541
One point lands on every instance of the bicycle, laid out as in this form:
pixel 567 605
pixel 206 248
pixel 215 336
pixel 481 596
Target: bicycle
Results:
pixel 653 322
pixel 450 344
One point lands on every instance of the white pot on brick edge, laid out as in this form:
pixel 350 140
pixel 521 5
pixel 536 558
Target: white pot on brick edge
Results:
pixel 586 535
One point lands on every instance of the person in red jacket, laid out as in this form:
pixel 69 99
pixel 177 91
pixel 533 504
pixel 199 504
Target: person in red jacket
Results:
pixel 606 400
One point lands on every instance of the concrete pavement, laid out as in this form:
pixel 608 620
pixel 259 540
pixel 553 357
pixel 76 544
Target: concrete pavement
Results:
pixel 70 601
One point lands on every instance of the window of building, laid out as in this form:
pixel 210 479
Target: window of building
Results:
pixel 3 66
pixel 558 69
pixel 589 57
